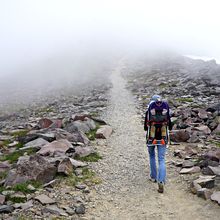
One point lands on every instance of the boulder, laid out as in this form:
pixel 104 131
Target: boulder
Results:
pixel 84 151
pixel 203 129
pixel 36 168
pixel 65 167
pixel 58 147
pixel 206 181
pixel 179 135
pixel 216 197
pixel 192 170
pixel 77 126
pixel 44 123
pixel 217 130
pixel 37 143
pixel 214 170
pixel 213 155
pixel 104 132
pixel 75 137
pixel 203 114
pixel 204 193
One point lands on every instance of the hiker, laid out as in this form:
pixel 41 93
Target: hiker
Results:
pixel 157 123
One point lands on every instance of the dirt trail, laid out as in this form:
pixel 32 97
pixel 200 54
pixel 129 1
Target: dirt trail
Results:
pixel 126 193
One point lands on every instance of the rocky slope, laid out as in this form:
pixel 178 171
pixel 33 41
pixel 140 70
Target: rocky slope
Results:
pixel 192 89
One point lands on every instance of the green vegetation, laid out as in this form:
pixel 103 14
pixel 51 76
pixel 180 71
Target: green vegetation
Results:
pixel 13 157
pixel 92 133
pixel 184 99
pixel 23 187
pixel 21 133
pixel 94 157
pixel 16 199
pixel 6 143
pixel 3 175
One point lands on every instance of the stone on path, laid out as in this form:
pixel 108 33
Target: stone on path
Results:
pixel 216 197
pixel 53 209
pixel 104 132
pixel 44 199
pixel 192 170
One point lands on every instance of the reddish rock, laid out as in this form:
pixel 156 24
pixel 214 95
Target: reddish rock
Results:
pixel 45 123
pixel 179 135
pixel 203 114
pixel 213 155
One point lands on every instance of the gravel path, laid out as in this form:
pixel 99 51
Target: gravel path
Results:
pixel 126 193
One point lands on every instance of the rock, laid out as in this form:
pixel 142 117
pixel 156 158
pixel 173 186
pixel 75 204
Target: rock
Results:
pixel 204 193
pixel 194 187
pixel 4 166
pixel 104 132
pixel 36 168
pixel 44 123
pixel 44 199
pixel 27 205
pixel 203 128
pixel 56 124
pixel 80 209
pixel 65 167
pixel 179 153
pixel 6 209
pixel 74 137
pixel 214 170
pixel 206 181
pixel 216 197
pixel 80 186
pixel 79 117
pixel 217 130
pixel 192 170
pixel 2 199
pixel 53 209
pixel 203 114
pixel 23 159
pixel 213 155
pixel 51 183
pixel 77 163
pixel 50 136
pixel 91 124
pixel 179 135
pixel 37 143
pixel 187 164
pixel 55 148
pixel 18 195
pixel 31 188
pixel 77 126
pixel 191 149
pixel 84 151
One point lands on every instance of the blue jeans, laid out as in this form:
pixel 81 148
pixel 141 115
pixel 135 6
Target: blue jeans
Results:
pixel 161 150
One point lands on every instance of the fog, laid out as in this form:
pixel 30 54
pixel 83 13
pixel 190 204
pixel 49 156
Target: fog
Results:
pixel 53 42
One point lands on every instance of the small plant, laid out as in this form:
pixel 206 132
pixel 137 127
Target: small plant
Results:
pixel 94 157
pixel 3 175
pixel 23 187
pixel 17 199
pixel 21 133
pixel 92 133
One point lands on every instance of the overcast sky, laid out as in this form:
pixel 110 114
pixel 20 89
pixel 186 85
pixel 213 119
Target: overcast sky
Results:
pixel 31 30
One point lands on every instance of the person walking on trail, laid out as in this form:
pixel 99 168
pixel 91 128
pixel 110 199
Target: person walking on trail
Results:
pixel 157 123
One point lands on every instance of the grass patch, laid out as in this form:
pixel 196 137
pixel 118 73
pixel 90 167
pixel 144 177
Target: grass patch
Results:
pixel 184 99
pixel 92 133
pixel 14 156
pixel 3 175
pixel 17 199
pixel 94 157
pixel 21 133
pixel 6 143
pixel 23 187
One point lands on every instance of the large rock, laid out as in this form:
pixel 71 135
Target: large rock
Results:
pixel 192 170
pixel 36 168
pixel 216 197
pixel 75 137
pixel 213 155
pixel 44 123
pixel 203 114
pixel 65 167
pixel 84 151
pixel 204 193
pixel 55 148
pixel 77 126
pixel 203 129
pixel 206 181
pixel 104 132
pixel 179 135
pixel 214 170
pixel 37 144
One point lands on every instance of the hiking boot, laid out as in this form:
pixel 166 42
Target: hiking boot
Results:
pixel 152 180
pixel 160 187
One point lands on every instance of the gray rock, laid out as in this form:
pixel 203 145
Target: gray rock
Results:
pixel 4 166
pixel 44 123
pixel 104 132
pixel 216 197
pixel 192 170
pixel 217 130
pixel 27 205
pixel 84 151
pixel 203 128
pixel 206 181
pixel 214 170
pixel 44 199
pixel 37 143
pixel 204 193
pixel 187 164
pixel 55 148
pixel 203 114
pixel 6 209
pixel 65 167
pixel 194 187
pixel 77 163
pixel 80 209
pixel 53 209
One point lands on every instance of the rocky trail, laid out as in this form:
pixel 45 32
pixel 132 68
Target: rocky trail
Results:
pixel 126 192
